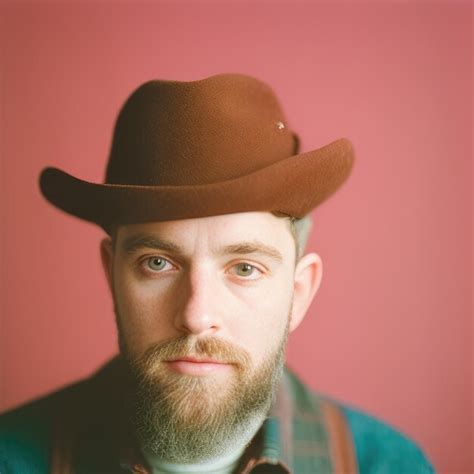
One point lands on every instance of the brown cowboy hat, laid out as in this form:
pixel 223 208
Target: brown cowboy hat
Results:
pixel 192 149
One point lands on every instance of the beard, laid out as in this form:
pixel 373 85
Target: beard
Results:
pixel 187 419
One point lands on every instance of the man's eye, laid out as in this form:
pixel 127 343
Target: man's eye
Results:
pixel 156 263
pixel 246 270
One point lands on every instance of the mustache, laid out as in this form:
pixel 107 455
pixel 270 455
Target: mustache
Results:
pixel 208 347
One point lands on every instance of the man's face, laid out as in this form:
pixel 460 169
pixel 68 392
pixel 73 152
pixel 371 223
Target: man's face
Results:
pixel 203 310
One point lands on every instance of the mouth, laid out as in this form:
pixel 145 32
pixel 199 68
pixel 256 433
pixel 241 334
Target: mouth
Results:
pixel 197 360
pixel 196 366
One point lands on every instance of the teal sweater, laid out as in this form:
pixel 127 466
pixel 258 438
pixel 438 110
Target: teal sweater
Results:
pixel 26 433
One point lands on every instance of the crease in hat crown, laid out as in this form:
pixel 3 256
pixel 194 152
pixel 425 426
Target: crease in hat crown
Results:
pixel 183 149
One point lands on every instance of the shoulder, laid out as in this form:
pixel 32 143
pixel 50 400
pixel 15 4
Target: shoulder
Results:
pixel 26 431
pixel 83 414
pixel 380 447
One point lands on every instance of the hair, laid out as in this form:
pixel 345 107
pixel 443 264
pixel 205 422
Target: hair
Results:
pixel 300 228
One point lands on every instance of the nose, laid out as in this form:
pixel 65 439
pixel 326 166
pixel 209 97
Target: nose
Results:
pixel 198 314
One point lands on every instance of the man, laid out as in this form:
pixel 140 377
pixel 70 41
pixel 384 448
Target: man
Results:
pixel 206 204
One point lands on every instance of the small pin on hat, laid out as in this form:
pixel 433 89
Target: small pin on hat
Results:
pixel 280 125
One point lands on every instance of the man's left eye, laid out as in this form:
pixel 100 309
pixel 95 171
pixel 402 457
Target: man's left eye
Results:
pixel 246 270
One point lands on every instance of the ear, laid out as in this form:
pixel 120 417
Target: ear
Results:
pixel 308 275
pixel 107 257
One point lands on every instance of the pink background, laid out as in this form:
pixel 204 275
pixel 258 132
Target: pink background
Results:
pixel 390 330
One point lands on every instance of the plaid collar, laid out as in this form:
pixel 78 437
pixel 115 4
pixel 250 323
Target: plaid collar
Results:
pixel 295 436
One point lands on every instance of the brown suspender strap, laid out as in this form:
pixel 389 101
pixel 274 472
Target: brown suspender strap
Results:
pixel 62 441
pixel 342 450
pixel 61 459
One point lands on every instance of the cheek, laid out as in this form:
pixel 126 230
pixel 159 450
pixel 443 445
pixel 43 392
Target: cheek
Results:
pixel 265 315
pixel 271 298
pixel 136 296
pixel 144 310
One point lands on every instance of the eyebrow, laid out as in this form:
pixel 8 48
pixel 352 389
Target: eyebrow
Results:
pixel 135 242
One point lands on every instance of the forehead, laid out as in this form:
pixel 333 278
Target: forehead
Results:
pixel 213 231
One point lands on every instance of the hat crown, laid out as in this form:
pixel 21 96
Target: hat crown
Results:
pixel 190 133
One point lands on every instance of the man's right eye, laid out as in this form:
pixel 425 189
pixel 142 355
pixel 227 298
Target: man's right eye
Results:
pixel 156 264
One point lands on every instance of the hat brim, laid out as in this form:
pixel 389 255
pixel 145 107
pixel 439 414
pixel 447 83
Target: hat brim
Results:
pixel 293 186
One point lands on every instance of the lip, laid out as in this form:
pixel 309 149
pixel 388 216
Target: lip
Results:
pixel 196 360
pixel 195 366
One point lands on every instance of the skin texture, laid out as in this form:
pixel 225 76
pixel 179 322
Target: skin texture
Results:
pixel 237 307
